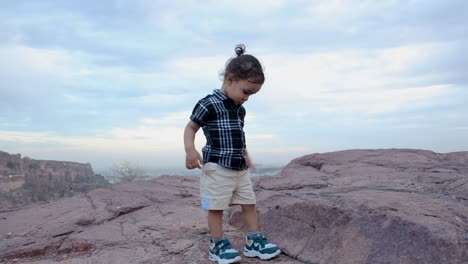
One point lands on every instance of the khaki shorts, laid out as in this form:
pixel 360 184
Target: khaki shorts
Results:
pixel 221 187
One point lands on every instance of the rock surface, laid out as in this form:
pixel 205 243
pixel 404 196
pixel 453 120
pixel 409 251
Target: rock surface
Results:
pixel 354 206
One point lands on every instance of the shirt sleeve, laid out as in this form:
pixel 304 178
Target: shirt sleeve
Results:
pixel 200 114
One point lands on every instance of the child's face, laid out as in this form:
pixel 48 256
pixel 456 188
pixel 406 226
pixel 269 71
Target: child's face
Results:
pixel 240 90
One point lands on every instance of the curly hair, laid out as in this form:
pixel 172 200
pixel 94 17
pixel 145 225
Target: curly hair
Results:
pixel 244 67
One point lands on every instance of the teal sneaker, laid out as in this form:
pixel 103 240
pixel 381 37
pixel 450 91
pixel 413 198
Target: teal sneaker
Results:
pixel 259 247
pixel 223 253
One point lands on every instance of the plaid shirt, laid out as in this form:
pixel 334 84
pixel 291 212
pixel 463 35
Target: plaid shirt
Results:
pixel 222 122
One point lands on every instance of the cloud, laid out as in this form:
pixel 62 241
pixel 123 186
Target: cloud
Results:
pixel 340 11
pixel 260 136
pixel 120 79
pixel 31 73
pixel 369 81
pixel 389 100
pixel 196 68
pixel 281 150
pixel 160 137
pixel 73 82
pixel 26 137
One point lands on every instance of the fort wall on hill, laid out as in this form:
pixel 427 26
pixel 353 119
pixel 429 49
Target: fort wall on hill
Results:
pixel 16 171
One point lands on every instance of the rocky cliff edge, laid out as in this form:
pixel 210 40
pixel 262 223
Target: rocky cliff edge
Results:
pixel 354 206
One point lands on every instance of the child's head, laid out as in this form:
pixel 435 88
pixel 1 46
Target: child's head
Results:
pixel 244 67
pixel 243 76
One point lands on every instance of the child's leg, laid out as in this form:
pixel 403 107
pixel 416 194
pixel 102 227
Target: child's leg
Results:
pixel 215 223
pixel 220 248
pixel 249 213
pixel 256 245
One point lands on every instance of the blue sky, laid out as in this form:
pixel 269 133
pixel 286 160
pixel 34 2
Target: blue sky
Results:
pixel 106 81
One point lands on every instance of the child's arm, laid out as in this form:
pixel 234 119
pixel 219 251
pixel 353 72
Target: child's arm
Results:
pixel 248 160
pixel 193 159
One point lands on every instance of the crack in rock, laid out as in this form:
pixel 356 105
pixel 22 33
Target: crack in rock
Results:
pixel 126 210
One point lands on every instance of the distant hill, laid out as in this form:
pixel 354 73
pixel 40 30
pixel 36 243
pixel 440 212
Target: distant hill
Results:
pixel 24 180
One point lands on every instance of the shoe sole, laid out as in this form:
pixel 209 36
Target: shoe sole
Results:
pixel 253 254
pixel 224 261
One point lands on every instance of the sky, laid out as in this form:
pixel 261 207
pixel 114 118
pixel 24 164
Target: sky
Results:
pixel 108 81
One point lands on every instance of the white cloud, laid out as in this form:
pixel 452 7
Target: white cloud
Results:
pixel 339 10
pixel 193 69
pixel 163 56
pixel 281 150
pixel 48 63
pixel 347 16
pixel 26 137
pixel 213 7
pixel 159 137
pixel 161 99
pixel 386 101
pixel 73 98
pixel 259 136
pixel 254 8
pixel 171 119
pixel 374 81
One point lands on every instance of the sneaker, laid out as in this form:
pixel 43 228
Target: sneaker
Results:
pixel 259 247
pixel 223 253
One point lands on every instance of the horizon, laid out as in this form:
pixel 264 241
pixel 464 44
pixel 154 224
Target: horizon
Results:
pixel 146 168
pixel 108 81
pixel 174 170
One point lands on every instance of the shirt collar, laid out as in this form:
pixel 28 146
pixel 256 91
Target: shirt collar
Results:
pixel 218 94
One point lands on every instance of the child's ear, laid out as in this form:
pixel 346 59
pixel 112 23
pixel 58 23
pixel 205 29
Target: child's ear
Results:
pixel 230 78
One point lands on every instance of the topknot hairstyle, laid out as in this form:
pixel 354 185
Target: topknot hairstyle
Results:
pixel 244 67
pixel 240 49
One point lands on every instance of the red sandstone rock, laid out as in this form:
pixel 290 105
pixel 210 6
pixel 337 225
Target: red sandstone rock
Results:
pixel 356 206
pixel 370 206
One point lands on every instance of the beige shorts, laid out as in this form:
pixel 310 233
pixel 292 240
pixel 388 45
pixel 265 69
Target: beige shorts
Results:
pixel 221 187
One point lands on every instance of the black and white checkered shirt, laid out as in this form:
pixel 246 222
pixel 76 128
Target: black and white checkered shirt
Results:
pixel 222 122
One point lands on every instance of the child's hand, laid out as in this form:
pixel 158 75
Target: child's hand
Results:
pixel 193 159
pixel 249 162
pixel 251 166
